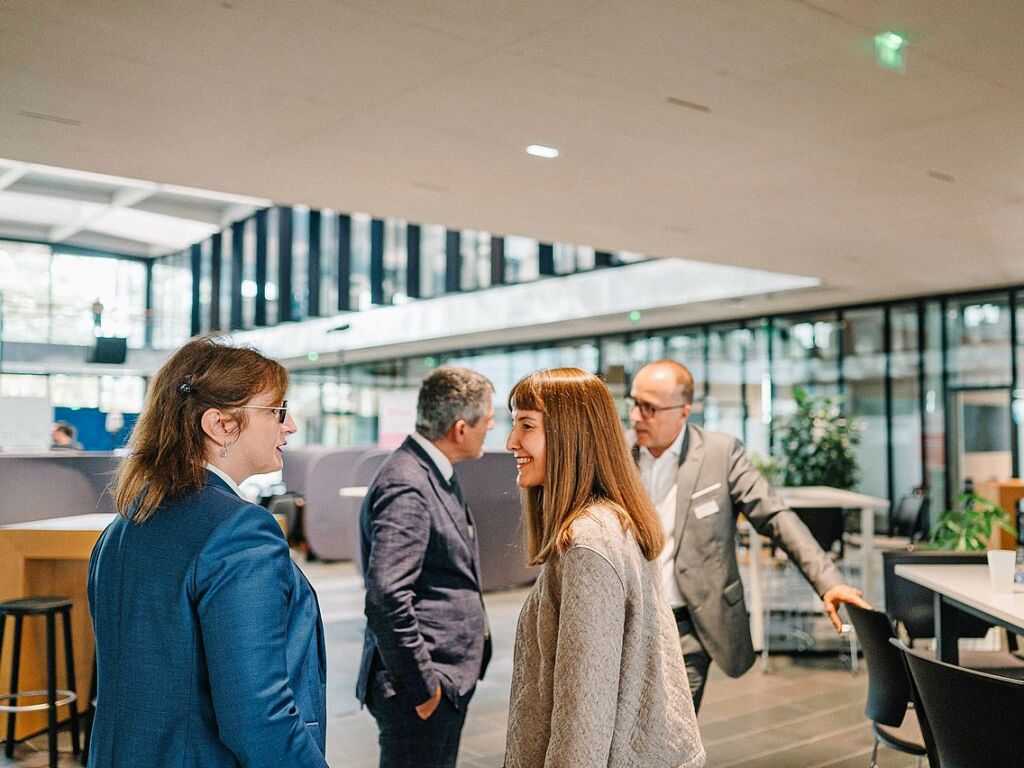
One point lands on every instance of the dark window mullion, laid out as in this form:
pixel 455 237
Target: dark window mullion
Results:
pixel 313 264
pixel 377 262
pixel 344 262
pixel 453 261
pixel 285 229
pixel 412 263
pixel 237 265
pixel 260 311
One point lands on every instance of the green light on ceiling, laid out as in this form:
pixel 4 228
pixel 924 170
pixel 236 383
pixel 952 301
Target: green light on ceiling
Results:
pixel 889 51
pixel 634 316
pixel 430 362
pixel 313 357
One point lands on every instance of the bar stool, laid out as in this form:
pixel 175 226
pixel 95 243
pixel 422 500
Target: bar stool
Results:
pixel 47 607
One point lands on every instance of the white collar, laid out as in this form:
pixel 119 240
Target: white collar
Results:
pixel 444 466
pixel 224 476
pixel 676 449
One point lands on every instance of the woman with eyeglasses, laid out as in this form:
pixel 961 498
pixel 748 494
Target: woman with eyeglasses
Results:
pixel 209 642
pixel 598 679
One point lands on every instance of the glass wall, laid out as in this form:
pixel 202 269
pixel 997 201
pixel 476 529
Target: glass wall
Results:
pixel 52 296
pixel 932 384
pixel 172 300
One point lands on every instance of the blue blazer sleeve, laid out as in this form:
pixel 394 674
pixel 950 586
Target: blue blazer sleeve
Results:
pixel 243 581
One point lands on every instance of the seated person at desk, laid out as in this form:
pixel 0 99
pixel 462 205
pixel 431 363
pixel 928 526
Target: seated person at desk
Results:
pixel 62 438
pixel 209 642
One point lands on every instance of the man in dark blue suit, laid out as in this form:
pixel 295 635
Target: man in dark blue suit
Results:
pixel 427 641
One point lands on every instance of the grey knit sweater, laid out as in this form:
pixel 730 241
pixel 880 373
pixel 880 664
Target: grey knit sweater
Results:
pixel 598 679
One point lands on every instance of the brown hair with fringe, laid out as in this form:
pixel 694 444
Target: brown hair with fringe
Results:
pixel 587 462
pixel 168 445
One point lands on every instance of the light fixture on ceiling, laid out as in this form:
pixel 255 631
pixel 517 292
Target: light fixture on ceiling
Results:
pixel 539 150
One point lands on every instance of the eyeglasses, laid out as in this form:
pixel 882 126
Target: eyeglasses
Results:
pixel 647 410
pixel 281 411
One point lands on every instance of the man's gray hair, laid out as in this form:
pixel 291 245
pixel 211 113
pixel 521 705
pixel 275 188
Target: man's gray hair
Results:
pixel 448 394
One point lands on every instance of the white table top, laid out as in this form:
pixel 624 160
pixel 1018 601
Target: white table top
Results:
pixel 353 491
pixel 824 496
pixel 968 584
pixel 94 522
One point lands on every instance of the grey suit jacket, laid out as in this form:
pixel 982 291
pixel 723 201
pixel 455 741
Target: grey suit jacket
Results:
pixel 716 483
pixel 424 611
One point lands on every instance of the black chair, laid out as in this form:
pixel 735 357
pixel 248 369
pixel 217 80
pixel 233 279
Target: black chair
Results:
pixel 974 717
pixel 292 506
pixel 47 607
pixel 909 516
pixel 826 526
pixel 894 720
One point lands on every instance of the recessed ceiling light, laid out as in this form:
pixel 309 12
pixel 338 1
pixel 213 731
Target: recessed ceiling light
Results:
pixel 539 150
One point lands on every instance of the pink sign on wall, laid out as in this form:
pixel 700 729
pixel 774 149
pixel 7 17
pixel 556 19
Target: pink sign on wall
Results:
pixel 396 417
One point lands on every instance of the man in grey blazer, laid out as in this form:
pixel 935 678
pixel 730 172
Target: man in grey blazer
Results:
pixel 427 641
pixel 700 482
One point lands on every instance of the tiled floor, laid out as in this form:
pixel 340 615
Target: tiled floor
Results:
pixel 805 712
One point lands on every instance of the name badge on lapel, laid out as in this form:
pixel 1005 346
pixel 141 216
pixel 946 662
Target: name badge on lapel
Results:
pixel 706 509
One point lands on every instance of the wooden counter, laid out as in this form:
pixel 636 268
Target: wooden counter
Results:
pixel 48 557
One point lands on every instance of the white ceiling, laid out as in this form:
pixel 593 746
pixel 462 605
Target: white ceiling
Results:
pixel 102 212
pixel 810 160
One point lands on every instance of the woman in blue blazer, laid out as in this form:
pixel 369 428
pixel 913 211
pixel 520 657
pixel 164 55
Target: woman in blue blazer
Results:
pixel 210 647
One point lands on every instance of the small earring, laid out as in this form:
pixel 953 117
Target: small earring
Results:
pixel 224 451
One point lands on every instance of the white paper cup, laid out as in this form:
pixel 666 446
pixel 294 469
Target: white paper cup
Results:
pixel 1001 564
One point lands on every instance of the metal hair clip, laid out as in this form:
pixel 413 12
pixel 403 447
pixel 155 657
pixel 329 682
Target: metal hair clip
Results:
pixel 186 386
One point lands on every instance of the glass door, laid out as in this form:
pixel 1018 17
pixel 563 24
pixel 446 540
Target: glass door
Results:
pixel 980 430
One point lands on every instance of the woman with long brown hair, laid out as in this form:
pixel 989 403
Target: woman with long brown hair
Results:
pixel 598 676
pixel 209 643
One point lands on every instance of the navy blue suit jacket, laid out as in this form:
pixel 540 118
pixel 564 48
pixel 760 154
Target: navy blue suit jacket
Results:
pixel 209 641
pixel 424 611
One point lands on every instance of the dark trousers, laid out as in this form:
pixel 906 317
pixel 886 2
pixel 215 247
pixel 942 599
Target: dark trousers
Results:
pixel 694 656
pixel 405 740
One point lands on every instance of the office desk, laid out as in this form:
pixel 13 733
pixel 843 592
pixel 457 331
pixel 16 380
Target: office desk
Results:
pixel 965 587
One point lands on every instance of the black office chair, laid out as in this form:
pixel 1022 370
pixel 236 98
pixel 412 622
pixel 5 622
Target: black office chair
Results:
pixel 974 717
pixel 292 506
pixel 894 720
pixel 909 516
pixel 826 526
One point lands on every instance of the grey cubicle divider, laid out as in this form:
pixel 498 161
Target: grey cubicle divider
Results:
pixel 38 486
pixel 362 475
pixel 489 484
pixel 317 473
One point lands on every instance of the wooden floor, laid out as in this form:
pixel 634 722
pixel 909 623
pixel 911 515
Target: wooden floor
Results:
pixel 804 712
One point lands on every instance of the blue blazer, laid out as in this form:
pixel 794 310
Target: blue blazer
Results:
pixel 210 648
pixel 424 611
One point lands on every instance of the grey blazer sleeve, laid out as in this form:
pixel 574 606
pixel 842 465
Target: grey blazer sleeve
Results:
pixel 756 499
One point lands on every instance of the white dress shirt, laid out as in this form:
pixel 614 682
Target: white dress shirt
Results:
pixel 224 476
pixel 444 466
pixel 659 476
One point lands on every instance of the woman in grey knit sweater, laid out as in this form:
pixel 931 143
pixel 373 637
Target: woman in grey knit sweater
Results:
pixel 598 678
